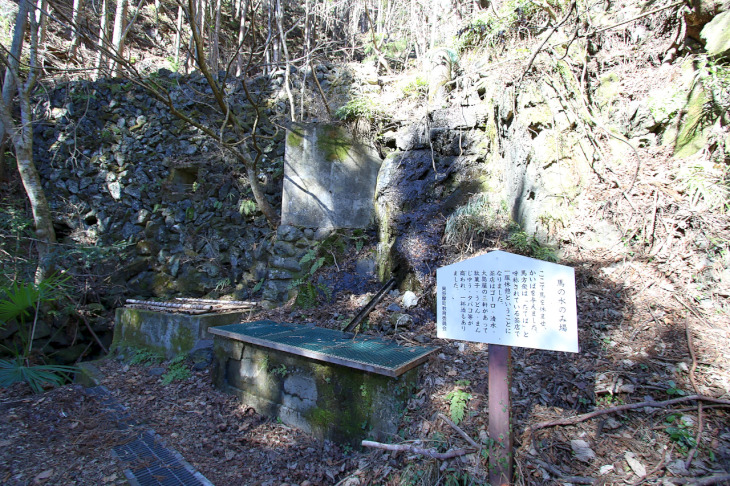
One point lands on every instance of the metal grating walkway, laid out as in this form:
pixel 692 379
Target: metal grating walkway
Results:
pixel 145 459
pixel 152 464
pixel 368 353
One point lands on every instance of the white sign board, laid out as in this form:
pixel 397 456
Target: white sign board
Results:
pixel 512 300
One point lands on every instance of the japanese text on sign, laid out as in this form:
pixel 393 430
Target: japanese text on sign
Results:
pixel 507 299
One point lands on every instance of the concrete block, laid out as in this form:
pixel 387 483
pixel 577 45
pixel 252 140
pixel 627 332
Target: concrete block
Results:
pixel 329 178
pixel 167 333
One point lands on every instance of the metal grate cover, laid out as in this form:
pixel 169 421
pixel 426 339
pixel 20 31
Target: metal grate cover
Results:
pixel 152 464
pixel 363 352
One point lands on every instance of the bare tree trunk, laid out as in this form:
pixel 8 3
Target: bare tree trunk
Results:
pixel 76 12
pixel 243 10
pixel 241 150
pixel 214 57
pixel 178 34
pixel 260 197
pixel 101 63
pixel 3 148
pixel 42 19
pixel 13 61
pixel 307 55
pixel 118 36
pixel 155 30
pixel 287 66
pixel 22 134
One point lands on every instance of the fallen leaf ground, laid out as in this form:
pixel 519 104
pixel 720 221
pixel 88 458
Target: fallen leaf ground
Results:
pixel 634 348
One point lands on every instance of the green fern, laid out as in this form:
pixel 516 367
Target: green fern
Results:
pixel 145 356
pixel 177 370
pixel 457 407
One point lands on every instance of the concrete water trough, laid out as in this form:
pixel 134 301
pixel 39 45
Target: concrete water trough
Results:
pixel 323 381
pixel 172 328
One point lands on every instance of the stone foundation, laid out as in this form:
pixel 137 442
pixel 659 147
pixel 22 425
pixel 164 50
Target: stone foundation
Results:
pixel 328 400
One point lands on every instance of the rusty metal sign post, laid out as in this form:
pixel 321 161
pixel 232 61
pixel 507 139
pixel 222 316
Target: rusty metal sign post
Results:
pixel 506 300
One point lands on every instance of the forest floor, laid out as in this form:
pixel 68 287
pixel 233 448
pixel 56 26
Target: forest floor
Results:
pixel 640 340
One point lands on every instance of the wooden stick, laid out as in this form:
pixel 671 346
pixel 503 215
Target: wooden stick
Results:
pixel 560 474
pixel 630 406
pixel 459 430
pixel 170 305
pixel 706 481
pixel 93 334
pixel 691 347
pixel 216 302
pixel 500 427
pixel 441 456
pixel 552 31
pixel 166 309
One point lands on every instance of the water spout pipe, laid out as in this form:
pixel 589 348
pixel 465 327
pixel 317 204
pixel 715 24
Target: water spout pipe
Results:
pixel 369 306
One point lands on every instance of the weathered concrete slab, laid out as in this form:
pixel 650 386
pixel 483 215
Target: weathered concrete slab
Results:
pixel 167 333
pixel 329 178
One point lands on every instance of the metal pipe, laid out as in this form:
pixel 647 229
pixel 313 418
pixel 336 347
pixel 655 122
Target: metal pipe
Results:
pixel 369 306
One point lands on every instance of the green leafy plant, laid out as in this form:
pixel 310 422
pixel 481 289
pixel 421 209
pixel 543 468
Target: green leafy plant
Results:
pixel 680 432
pixel 415 88
pixel 528 245
pixel 673 390
pixel 458 402
pixel 222 284
pixel 280 371
pixel 177 370
pixel 36 376
pixel 359 237
pixel 308 292
pixel 19 303
pixel 146 357
pixel 363 107
pixel 246 207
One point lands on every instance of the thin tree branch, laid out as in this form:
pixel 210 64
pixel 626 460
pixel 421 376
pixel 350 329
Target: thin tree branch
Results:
pixel 442 456
pixel 552 31
pixel 621 408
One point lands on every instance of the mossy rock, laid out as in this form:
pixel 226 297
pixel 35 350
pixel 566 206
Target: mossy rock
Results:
pixel 692 134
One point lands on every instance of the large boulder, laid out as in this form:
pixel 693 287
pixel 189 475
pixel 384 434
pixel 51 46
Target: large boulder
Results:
pixel 716 35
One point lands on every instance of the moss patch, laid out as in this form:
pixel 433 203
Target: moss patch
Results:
pixel 183 340
pixel 334 143
pixel 294 139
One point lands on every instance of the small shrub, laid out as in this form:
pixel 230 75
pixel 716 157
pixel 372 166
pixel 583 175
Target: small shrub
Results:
pixel 415 88
pixel 246 207
pixel 360 108
pixel 473 221
pixel 528 245
pixel 308 292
